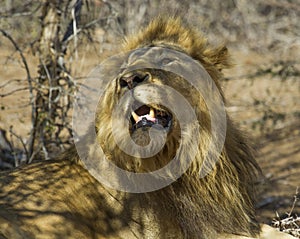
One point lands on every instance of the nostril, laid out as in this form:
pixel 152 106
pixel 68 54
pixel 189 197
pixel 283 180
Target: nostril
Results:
pixel 123 82
pixel 138 79
pixel 132 80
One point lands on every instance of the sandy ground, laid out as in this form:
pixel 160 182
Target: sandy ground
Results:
pixel 276 139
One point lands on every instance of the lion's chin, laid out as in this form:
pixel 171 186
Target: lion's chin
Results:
pixel 148 148
pixel 142 136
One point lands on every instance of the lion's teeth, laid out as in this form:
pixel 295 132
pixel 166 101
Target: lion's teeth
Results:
pixel 135 116
pixel 152 113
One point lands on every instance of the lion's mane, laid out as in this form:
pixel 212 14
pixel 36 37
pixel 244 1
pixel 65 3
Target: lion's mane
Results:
pixel 222 201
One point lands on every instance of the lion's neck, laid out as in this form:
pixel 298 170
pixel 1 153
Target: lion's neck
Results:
pixel 185 209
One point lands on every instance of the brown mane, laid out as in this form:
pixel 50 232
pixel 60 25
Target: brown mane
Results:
pixel 221 202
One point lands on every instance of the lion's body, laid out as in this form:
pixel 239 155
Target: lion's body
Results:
pixel 60 199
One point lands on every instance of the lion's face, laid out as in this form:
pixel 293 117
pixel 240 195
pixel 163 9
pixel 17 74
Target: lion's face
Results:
pixel 139 110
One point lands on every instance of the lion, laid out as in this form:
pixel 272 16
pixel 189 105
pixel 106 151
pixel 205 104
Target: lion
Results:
pixel 62 199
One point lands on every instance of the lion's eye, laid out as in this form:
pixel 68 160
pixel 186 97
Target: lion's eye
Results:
pixel 165 61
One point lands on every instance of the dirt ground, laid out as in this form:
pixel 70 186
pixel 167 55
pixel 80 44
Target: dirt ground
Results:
pixel 250 101
pixel 276 139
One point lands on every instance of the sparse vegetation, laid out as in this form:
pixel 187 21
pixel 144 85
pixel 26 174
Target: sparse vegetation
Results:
pixel 291 223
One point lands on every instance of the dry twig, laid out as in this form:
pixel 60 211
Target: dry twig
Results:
pixel 290 224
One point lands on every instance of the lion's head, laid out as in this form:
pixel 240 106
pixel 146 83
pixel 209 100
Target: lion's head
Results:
pixel 141 107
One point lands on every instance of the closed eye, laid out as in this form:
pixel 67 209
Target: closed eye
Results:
pixel 166 61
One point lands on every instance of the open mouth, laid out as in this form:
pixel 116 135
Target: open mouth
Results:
pixel 149 116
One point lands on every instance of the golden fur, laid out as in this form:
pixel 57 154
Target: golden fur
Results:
pixel 223 200
pixel 59 199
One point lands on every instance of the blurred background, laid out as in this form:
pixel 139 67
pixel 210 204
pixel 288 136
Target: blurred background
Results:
pixel 48 47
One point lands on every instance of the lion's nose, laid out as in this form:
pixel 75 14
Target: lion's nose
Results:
pixel 131 80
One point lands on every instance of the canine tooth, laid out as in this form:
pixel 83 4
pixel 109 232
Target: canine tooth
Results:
pixel 152 113
pixel 135 116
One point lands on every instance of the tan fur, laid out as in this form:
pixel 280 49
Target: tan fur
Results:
pixel 59 199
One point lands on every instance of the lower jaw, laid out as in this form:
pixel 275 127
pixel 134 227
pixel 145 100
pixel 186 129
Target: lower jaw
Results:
pixel 142 137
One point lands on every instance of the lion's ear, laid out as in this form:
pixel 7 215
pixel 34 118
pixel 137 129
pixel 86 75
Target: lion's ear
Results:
pixel 219 57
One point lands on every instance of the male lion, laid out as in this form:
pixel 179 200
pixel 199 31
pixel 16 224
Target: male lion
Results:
pixel 60 199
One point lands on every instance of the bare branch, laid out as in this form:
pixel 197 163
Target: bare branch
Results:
pixel 10 82
pixel 31 97
pixel 294 203
pixel 14 91
pixel 22 142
